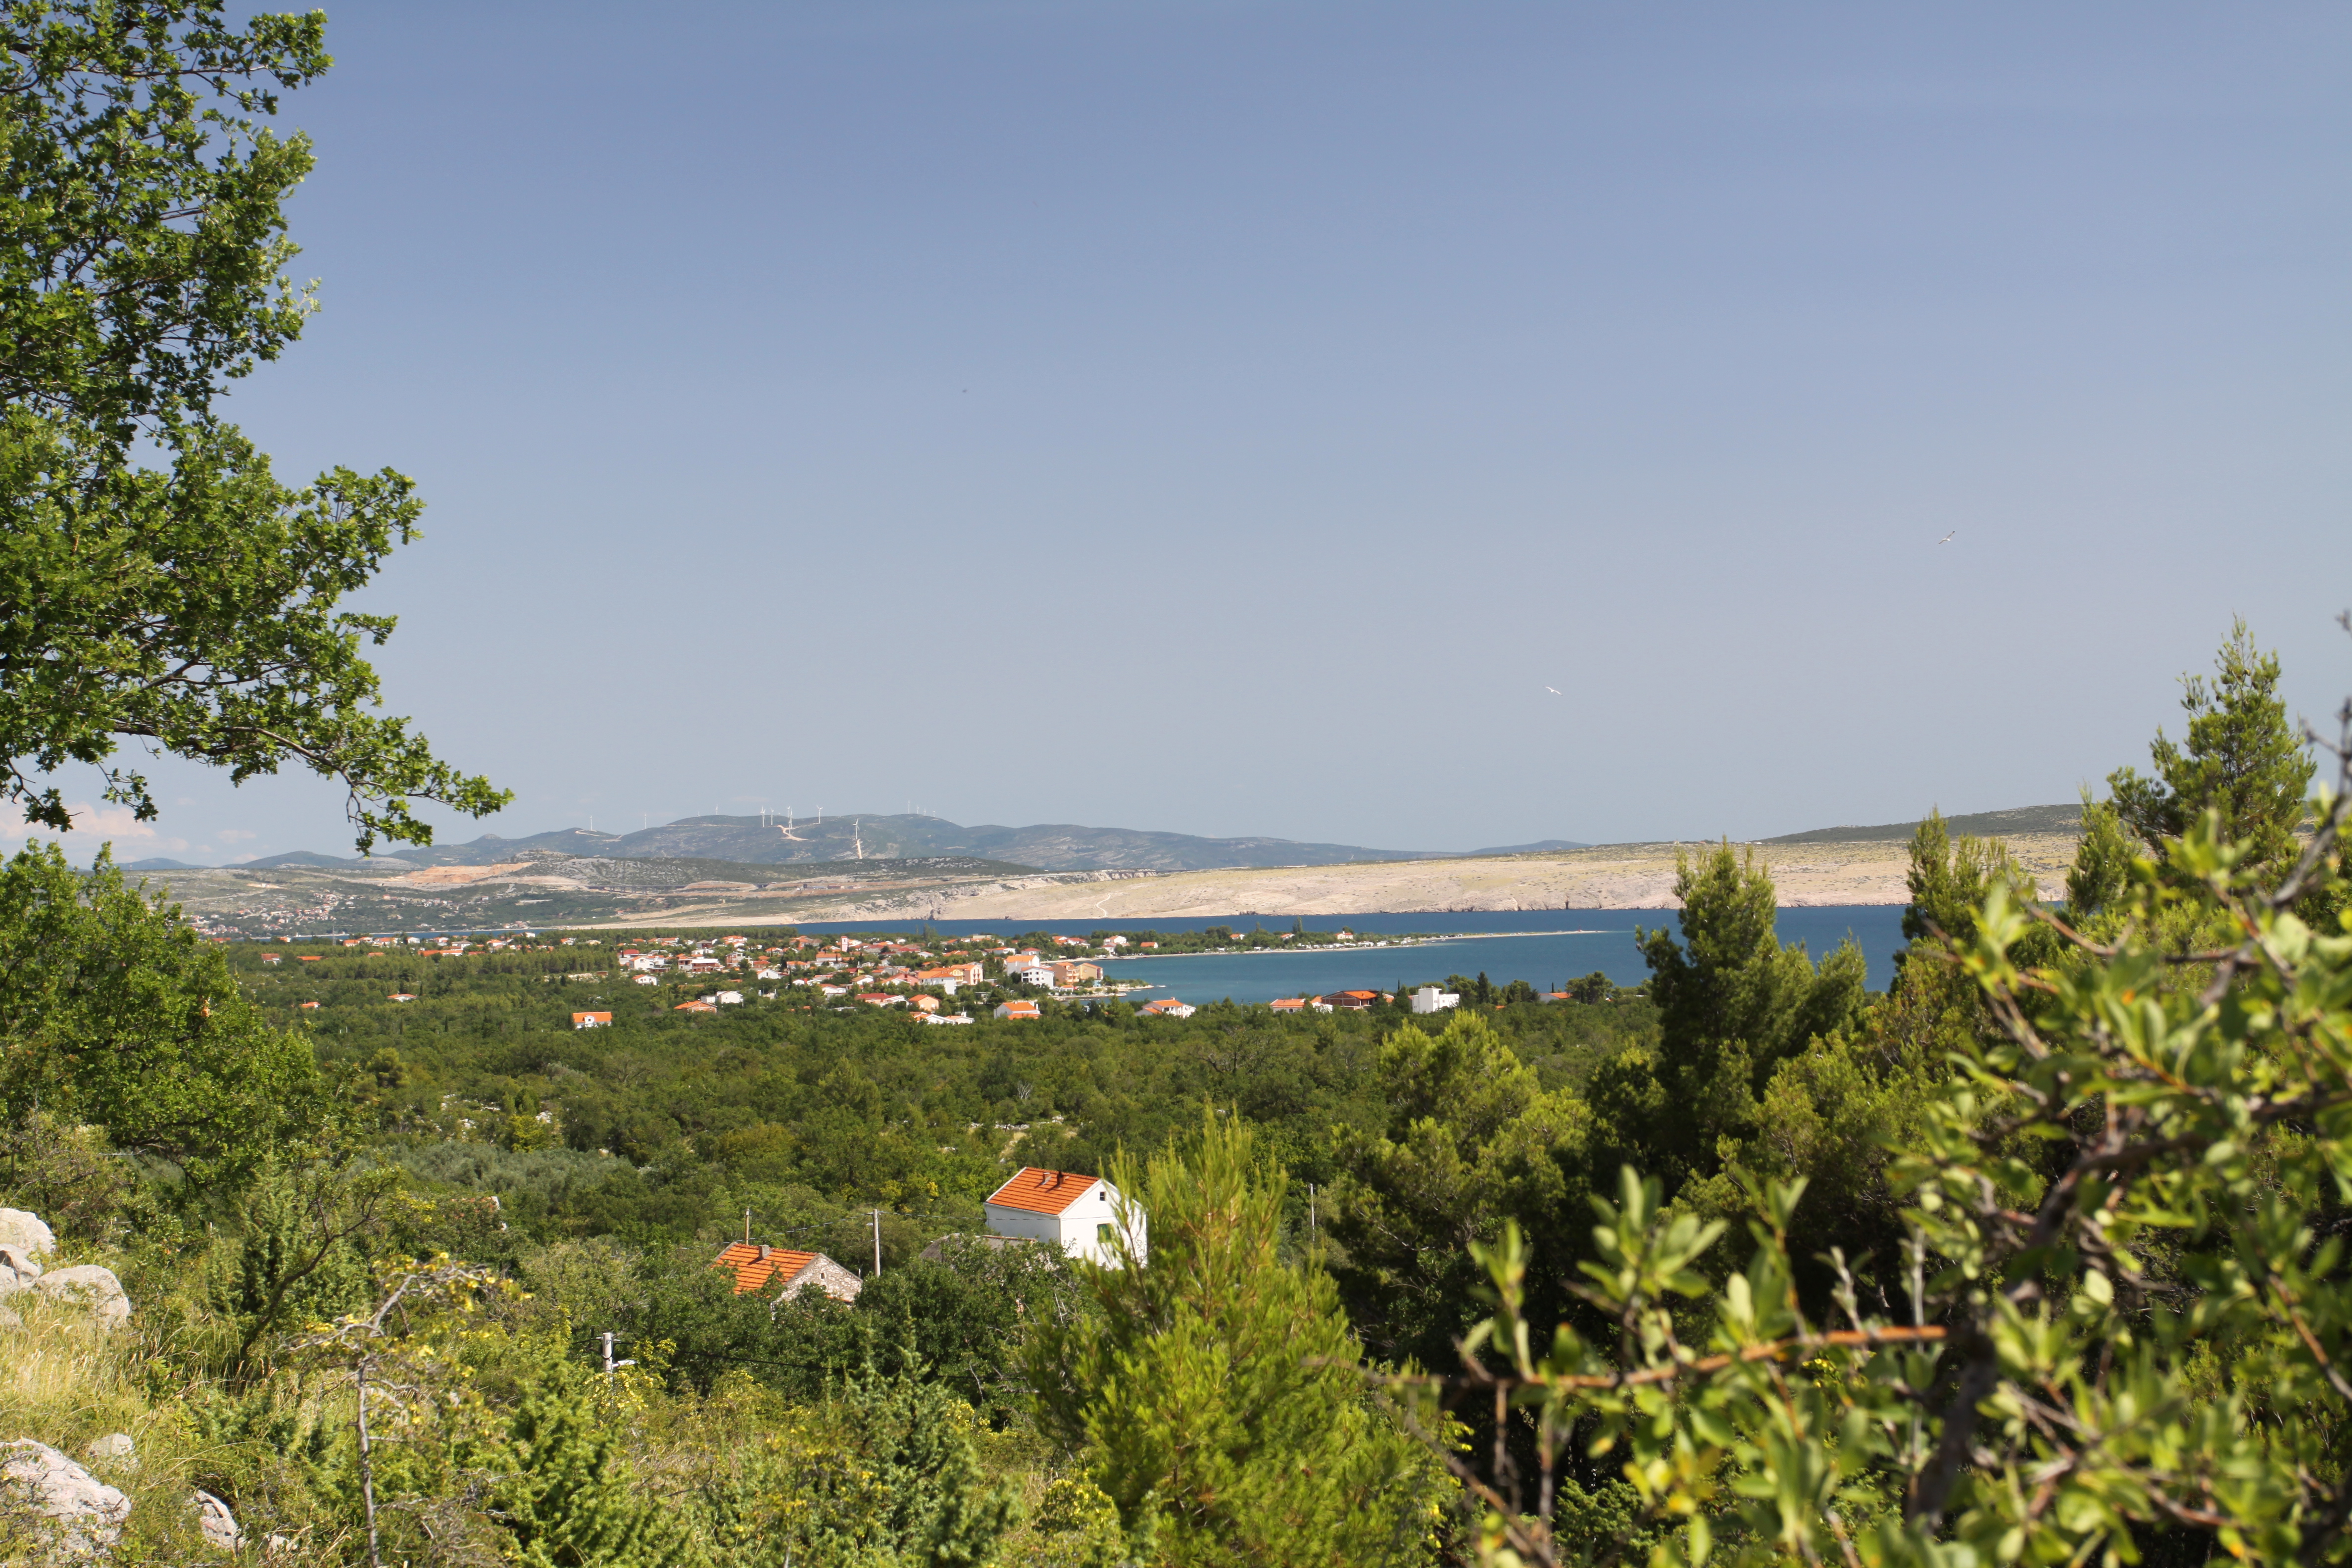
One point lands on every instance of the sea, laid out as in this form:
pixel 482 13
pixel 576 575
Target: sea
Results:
pixel 1547 948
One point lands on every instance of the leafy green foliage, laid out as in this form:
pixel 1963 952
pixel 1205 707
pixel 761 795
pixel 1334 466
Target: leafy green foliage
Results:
pixel 960 1320
pixel 571 1502
pixel 2102 861
pixel 192 604
pixel 1732 1003
pixel 1471 1139
pixel 294 1261
pixel 1213 1390
pixel 113 1011
pixel 2242 760
pixel 885 1472
pixel 2128 1314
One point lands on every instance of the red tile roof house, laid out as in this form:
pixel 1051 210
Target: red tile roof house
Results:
pixel 1352 1001
pixel 1289 1004
pixel 1018 1010
pixel 781 1275
pixel 1081 1214
pixel 1167 1007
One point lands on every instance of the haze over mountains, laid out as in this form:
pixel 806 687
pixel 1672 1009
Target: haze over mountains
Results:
pixel 1045 846
pixel 767 841
pixel 2017 819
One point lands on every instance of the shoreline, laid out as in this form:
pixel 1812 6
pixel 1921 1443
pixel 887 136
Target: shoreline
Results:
pixel 1419 939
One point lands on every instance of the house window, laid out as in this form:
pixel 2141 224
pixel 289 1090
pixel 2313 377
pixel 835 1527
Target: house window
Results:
pixel 1102 1234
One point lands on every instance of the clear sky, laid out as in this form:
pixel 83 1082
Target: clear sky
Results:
pixel 1230 417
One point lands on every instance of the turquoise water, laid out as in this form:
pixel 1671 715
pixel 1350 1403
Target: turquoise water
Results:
pixel 1543 947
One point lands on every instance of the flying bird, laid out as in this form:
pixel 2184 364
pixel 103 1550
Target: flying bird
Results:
pixel 1948 538
pixel 1554 690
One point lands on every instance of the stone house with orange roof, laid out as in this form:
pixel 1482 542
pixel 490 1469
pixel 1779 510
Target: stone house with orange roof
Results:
pixel 781 1274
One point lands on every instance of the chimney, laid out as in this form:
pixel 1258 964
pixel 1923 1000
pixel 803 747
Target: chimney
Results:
pixel 764 1250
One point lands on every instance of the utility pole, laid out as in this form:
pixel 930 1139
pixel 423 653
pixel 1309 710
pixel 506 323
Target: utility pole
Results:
pixel 747 1228
pixel 612 1366
pixel 877 1241
pixel 1310 1206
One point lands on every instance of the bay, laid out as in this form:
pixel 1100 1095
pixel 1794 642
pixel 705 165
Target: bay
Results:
pixel 1546 948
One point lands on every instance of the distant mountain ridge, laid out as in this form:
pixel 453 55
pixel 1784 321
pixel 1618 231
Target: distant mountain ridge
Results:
pixel 1048 847
pixel 1976 825
pixel 1044 847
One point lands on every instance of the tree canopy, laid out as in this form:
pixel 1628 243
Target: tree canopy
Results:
pixel 158 583
pixel 113 1011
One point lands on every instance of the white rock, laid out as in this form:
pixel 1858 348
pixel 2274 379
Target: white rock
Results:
pixel 18 1228
pixel 113 1447
pixel 218 1524
pixel 85 1514
pixel 94 1287
pixel 17 1269
pixel 9 1319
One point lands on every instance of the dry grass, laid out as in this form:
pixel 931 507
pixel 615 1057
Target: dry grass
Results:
pixel 66 1382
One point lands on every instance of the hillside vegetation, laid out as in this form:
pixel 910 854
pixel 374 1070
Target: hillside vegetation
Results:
pixel 2034 1258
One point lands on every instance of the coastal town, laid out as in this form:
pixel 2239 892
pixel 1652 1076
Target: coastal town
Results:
pixel 940 980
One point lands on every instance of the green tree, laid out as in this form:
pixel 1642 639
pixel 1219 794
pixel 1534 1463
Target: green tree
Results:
pixel 1471 1139
pixel 888 1472
pixel 1213 1391
pixel 1732 1004
pixel 959 1320
pixel 940 1508
pixel 114 1011
pixel 570 1500
pixel 2127 1311
pixel 189 602
pixel 2103 860
pixel 298 1259
pixel 2241 758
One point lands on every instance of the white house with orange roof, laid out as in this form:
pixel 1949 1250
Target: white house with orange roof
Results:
pixel 1081 1214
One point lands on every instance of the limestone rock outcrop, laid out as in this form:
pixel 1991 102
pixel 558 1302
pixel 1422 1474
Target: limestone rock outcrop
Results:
pixel 218 1524
pixel 93 1286
pixel 41 1490
pixel 26 1231
pixel 18 1269
pixel 115 1448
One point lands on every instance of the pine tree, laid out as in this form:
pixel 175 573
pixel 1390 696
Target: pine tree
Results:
pixel 1215 1393
pixel 1732 1005
pixel 2241 758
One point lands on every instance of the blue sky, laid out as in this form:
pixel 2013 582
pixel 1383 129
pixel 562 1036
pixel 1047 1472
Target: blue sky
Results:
pixel 1230 417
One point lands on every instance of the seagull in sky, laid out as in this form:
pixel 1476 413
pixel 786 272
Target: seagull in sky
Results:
pixel 1554 690
pixel 1948 538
